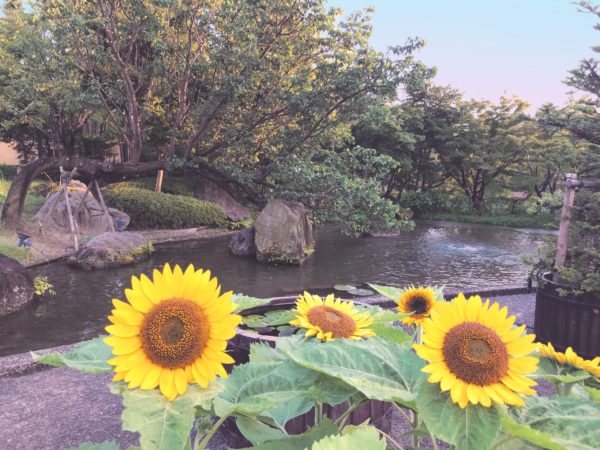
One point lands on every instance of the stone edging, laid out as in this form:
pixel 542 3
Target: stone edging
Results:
pixel 22 363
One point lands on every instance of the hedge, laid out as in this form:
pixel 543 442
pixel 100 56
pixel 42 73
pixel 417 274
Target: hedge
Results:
pixel 149 209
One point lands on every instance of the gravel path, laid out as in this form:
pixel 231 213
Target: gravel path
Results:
pixel 61 408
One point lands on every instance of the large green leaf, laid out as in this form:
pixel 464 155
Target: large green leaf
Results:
pixel 244 301
pixel 380 369
pixel 109 445
pixel 163 424
pixel 393 293
pixel 570 422
pixel 381 315
pixel 263 352
pixel 472 428
pixel 285 412
pixel 255 388
pixel 393 333
pixel 256 431
pixel 270 318
pixel 301 441
pixel 89 356
pixel 528 434
pixel 363 438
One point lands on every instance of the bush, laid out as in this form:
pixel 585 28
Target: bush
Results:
pixel 149 209
pixel 171 185
pixel 422 202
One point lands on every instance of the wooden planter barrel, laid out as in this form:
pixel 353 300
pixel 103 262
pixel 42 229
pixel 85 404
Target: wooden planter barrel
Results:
pixel 378 412
pixel 567 321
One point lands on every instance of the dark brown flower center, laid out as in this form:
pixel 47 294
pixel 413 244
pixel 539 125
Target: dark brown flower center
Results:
pixel 174 333
pixel 475 354
pixel 417 305
pixel 340 324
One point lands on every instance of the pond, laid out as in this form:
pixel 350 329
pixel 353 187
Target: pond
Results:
pixel 443 253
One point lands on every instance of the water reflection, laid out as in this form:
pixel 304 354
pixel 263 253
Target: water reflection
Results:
pixel 455 255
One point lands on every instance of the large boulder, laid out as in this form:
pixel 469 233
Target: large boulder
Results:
pixel 283 233
pixel 90 217
pixel 16 286
pixel 242 243
pixel 112 250
pixel 210 192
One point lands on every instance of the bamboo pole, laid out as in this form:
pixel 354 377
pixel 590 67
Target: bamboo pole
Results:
pixel 106 213
pixel 565 220
pixel 69 213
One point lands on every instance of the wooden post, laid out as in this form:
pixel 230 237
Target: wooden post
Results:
pixel 69 213
pixel 565 219
pixel 106 213
pixel 87 191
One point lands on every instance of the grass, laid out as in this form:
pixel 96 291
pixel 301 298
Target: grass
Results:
pixel 507 220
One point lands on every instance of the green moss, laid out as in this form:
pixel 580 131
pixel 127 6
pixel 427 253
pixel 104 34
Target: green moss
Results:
pixel 149 209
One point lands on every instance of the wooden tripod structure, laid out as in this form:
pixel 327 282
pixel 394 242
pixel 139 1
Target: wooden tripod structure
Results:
pixel 65 179
pixel 571 184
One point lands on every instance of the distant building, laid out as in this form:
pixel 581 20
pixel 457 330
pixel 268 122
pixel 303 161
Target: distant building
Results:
pixel 8 154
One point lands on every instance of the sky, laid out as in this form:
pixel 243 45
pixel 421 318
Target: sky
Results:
pixel 489 48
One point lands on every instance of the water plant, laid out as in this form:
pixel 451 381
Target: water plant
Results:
pixel 468 384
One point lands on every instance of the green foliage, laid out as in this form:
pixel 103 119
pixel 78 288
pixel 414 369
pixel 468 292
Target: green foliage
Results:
pixel 171 185
pixel 505 220
pixel 245 302
pixel 88 357
pixel 149 209
pixel 425 202
pixel 378 368
pixel 301 441
pixel 472 427
pixel 163 425
pixel 566 422
pixel 110 445
pixel 363 437
pixel 8 171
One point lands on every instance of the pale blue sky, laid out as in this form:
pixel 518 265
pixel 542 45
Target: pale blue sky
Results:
pixel 489 48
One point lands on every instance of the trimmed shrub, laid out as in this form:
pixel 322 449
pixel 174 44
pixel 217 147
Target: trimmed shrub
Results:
pixel 149 209
pixel 171 185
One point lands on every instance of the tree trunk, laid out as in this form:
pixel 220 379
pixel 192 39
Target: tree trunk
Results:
pixel 12 210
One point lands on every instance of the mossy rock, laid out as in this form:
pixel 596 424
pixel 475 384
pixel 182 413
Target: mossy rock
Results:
pixel 112 250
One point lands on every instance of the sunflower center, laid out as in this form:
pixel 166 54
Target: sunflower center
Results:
pixel 329 319
pixel 174 333
pixel 418 305
pixel 475 354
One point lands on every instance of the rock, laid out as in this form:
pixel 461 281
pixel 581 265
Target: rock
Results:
pixel 283 233
pixel 16 286
pixel 242 243
pixel 90 217
pixel 112 250
pixel 210 192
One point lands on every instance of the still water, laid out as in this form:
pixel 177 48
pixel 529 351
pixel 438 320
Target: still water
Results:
pixel 444 253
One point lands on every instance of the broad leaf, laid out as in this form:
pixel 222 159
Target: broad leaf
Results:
pixel 528 434
pixel 109 445
pixel 570 422
pixel 472 428
pixel 257 432
pixel 557 373
pixel 244 301
pixel 287 411
pixel 393 333
pixel 89 356
pixel 301 441
pixel 163 424
pixel 263 352
pixel 393 293
pixel 254 388
pixel 380 369
pixel 381 315
pixel 363 438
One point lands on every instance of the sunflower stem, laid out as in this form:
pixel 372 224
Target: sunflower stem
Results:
pixel 419 334
pixel 391 439
pixel 212 431
pixel 415 425
pixel 318 413
pixel 341 421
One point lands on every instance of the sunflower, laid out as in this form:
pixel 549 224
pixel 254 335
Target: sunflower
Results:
pixel 476 353
pixel 570 358
pixel 331 318
pixel 418 302
pixel 172 331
